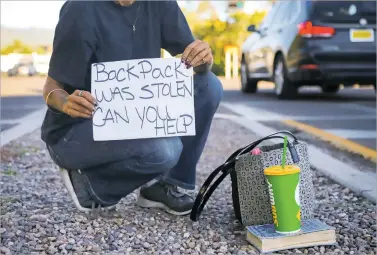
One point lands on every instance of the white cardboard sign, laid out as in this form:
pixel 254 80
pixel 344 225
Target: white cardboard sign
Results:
pixel 142 98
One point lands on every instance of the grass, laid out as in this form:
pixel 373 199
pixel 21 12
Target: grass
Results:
pixel 4 202
pixel 9 172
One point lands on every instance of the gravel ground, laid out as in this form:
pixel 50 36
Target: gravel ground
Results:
pixel 38 217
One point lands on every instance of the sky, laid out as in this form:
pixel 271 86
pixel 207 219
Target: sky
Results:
pixel 44 14
pixel 23 14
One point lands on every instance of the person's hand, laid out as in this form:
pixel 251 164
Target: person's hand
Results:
pixel 80 104
pixel 197 53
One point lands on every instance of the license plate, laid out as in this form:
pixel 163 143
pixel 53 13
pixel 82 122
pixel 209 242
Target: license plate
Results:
pixel 362 35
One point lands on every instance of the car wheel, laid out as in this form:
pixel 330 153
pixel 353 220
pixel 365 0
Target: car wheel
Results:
pixel 330 88
pixel 247 85
pixel 284 88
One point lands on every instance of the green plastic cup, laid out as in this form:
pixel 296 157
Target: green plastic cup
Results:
pixel 284 191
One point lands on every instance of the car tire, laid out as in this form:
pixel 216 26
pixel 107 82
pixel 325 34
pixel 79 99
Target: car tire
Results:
pixel 284 88
pixel 330 89
pixel 248 85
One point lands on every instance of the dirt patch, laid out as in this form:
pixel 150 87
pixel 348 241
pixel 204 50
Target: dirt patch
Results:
pixel 22 86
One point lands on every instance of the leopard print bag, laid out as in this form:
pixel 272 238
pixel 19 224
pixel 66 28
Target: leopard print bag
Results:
pixel 249 189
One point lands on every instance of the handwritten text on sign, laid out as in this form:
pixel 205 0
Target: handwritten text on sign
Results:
pixel 143 98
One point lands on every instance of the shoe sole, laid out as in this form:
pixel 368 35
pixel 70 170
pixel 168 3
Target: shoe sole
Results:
pixel 145 203
pixel 68 185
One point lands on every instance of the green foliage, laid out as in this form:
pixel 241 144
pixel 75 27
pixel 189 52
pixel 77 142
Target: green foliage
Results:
pixel 16 47
pixel 220 33
pixel 19 47
pixel 9 172
pixel 41 50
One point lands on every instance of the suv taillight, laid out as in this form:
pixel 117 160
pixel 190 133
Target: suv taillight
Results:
pixel 307 30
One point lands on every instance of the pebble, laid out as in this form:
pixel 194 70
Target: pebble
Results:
pixel 39 247
pixel 223 249
pixel 146 245
pixel 5 250
pixel 39 217
pixel 136 246
pixel 52 250
pixel 90 230
pixel 44 221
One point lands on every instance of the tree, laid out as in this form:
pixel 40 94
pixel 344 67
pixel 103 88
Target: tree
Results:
pixel 41 50
pixel 219 33
pixel 16 47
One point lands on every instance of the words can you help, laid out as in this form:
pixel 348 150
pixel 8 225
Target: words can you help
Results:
pixel 142 98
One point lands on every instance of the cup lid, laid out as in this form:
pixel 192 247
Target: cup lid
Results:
pixel 278 170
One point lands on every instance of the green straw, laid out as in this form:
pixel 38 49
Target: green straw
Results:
pixel 284 151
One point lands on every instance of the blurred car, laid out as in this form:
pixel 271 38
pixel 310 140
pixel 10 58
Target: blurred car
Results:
pixel 41 67
pixel 23 69
pixel 324 43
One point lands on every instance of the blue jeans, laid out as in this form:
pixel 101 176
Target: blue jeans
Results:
pixel 116 168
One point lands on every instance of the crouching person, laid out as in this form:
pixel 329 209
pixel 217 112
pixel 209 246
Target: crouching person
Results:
pixel 99 173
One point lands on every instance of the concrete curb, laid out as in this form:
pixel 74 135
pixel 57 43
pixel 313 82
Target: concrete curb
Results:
pixel 362 183
pixel 26 125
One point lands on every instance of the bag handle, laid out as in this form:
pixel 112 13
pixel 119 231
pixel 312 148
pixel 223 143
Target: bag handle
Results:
pixel 285 132
pixel 206 190
pixel 291 148
pixel 295 140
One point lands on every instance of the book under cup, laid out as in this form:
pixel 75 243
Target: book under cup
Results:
pixel 313 233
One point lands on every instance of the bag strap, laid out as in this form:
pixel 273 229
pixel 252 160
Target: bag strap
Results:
pixel 291 148
pixel 206 190
pixel 285 132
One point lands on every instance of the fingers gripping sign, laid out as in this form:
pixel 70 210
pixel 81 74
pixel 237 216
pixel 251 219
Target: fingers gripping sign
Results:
pixel 197 53
pixel 80 104
pixel 86 95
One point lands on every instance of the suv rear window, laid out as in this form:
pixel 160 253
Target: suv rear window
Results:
pixel 342 11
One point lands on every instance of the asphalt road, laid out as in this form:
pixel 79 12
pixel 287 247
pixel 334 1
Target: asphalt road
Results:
pixel 14 108
pixel 350 114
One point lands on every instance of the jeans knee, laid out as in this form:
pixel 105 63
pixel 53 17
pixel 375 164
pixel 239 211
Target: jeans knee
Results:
pixel 210 91
pixel 215 88
pixel 165 155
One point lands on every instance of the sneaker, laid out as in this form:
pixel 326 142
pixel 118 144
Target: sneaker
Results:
pixel 75 185
pixel 165 196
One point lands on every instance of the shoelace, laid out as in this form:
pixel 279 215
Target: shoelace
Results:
pixel 175 191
